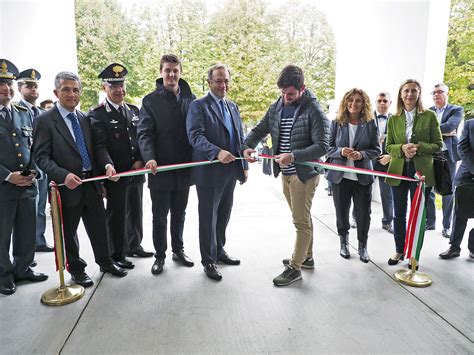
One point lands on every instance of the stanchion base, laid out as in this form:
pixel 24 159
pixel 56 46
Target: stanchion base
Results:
pixel 413 278
pixel 62 295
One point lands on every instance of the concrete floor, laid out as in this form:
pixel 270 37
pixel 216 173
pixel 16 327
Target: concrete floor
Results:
pixel 342 306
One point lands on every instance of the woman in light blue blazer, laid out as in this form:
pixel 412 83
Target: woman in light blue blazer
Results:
pixel 354 142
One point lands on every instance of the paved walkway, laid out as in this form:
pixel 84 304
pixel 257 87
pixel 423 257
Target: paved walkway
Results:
pixel 343 306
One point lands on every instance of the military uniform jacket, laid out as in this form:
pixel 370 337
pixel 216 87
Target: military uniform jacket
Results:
pixel 15 144
pixel 115 136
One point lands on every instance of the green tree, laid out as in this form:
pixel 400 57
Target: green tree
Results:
pixel 459 69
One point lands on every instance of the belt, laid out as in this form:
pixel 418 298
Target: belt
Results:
pixel 86 174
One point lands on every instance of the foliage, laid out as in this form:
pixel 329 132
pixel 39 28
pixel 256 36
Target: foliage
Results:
pixel 255 40
pixel 459 69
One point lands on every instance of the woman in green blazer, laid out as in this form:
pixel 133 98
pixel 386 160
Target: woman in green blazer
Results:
pixel 413 136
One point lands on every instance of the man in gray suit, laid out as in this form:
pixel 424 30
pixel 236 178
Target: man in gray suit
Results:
pixel 17 187
pixel 28 88
pixel 449 117
pixel 63 149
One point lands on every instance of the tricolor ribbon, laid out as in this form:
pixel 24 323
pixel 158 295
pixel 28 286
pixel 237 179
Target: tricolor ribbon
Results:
pixel 416 222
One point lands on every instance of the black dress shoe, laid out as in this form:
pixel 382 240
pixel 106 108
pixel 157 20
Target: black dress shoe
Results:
pixel 395 260
pixel 430 227
pixel 31 276
pixel 82 279
pixel 140 253
pixel 157 267
pixel 124 264
pixel 7 288
pixel 228 260
pixel 212 272
pixel 44 248
pixel 113 269
pixel 183 259
pixel 449 254
pixel 363 254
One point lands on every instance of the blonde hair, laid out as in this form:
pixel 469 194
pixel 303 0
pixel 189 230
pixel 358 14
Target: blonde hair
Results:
pixel 343 114
pixel 401 106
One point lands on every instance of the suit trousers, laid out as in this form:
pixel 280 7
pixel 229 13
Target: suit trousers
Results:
pixel 299 196
pixel 400 204
pixel 387 201
pixel 90 208
pixel 447 201
pixel 175 203
pixel 362 198
pixel 17 216
pixel 115 214
pixel 134 220
pixel 41 199
pixel 215 207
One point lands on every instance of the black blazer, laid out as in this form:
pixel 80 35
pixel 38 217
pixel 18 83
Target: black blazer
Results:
pixel 115 137
pixel 56 151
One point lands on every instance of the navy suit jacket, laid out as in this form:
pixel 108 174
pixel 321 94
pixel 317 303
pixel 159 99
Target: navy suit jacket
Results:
pixel 452 117
pixel 466 152
pixel 366 141
pixel 207 135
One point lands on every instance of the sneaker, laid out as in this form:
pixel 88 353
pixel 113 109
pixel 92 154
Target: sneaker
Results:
pixel 287 277
pixel 308 263
pixel 387 227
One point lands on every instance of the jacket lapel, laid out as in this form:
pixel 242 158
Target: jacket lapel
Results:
pixel 86 132
pixel 446 112
pixel 215 108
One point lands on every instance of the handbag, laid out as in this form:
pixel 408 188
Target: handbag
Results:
pixel 444 184
pixel 464 197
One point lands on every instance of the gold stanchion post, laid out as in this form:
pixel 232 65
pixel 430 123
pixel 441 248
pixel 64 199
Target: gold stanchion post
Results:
pixel 63 294
pixel 411 277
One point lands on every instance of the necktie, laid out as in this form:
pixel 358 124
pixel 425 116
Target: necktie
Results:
pixel 228 123
pixel 35 111
pixel 122 111
pixel 80 142
pixel 7 116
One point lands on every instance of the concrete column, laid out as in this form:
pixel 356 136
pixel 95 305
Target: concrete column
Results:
pixel 39 34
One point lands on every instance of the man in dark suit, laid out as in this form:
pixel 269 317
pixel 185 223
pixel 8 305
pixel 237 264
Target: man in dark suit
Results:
pixel 382 104
pixel 215 132
pixel 163 139
pixel 449 117
pixel 115 139
pixel 28 88
pixel 465 175
pixel 64 151
pixel 17 187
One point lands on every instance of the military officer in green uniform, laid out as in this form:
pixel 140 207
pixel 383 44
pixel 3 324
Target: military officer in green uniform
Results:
pixel 18 175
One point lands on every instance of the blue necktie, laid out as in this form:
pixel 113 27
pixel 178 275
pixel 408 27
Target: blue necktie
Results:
pixel 228 124
pixel 80 142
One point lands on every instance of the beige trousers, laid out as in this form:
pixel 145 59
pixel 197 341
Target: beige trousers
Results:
pixel 299 196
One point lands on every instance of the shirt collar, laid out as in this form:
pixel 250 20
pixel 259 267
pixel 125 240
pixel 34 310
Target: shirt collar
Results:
pixel 9 107
pixel 441 109
pixel 215 97
pixel 114 105
pixel 64 112
pixel 377 114
pixel 28 105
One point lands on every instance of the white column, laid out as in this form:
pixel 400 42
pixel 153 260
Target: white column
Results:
pixel 39 34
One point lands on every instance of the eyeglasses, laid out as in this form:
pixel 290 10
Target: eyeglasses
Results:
pixel 383 100
pixel 439 92
pixel 220 82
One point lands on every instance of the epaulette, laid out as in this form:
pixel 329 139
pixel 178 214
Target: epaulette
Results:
pixel 19 107
pixel 98 107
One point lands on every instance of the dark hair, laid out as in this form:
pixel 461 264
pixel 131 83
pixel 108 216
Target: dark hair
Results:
pixel 46 102
pixel 170 58
pixel 291 75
